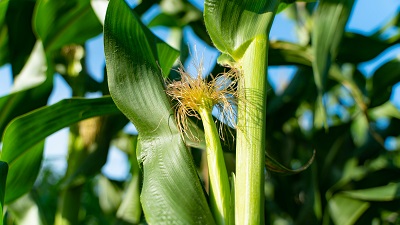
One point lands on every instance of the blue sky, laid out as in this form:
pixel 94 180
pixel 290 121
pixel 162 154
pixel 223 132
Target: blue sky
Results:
pixel 361 21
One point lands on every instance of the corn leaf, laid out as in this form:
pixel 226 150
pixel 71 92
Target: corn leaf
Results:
pixel 136 61
pixel 346 211
pixel 389 192
pixel 21 38
pixel 30 90
pixel 383 81
pixel 23 140
pixel 330 20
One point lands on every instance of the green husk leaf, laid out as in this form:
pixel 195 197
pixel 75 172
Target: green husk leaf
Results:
pixel 249 18
pixel 136 62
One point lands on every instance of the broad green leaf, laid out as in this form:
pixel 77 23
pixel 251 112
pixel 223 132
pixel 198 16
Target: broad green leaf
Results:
pixel 389 192
pixel 329 22
pixel 3 178
pixel 31 88
pixel 59 23
pixel 23 139
pixel 21 38
pixel 344 210
pixel 249 19
pixel 382 82
pixel 171 191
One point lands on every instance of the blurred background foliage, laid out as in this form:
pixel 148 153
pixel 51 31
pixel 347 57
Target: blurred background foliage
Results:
pixel 355 175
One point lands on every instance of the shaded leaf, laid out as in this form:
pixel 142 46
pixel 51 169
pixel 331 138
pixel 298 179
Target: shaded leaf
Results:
pixel 274 166
pixel 171 191
pixel 382 82
pixel 3 178
pixel 286 53
pixel 59 23
pixel 330 20
pixel 357 48
pixel 21 38
pixel 23 139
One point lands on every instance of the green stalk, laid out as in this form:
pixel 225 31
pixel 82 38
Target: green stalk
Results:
pixel 220 194
pixel 70 198
pixel 250 149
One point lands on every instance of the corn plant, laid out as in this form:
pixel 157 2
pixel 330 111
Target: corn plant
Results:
pixel 252 162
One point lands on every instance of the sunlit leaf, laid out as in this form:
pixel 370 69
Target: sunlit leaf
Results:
pixel 25 211
pixel 31 88
pixel 23 139
pixel 136 60
pixel 345 210
pixel 389 192
pixel 110 195
pixel 385 110
pixel 360 130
